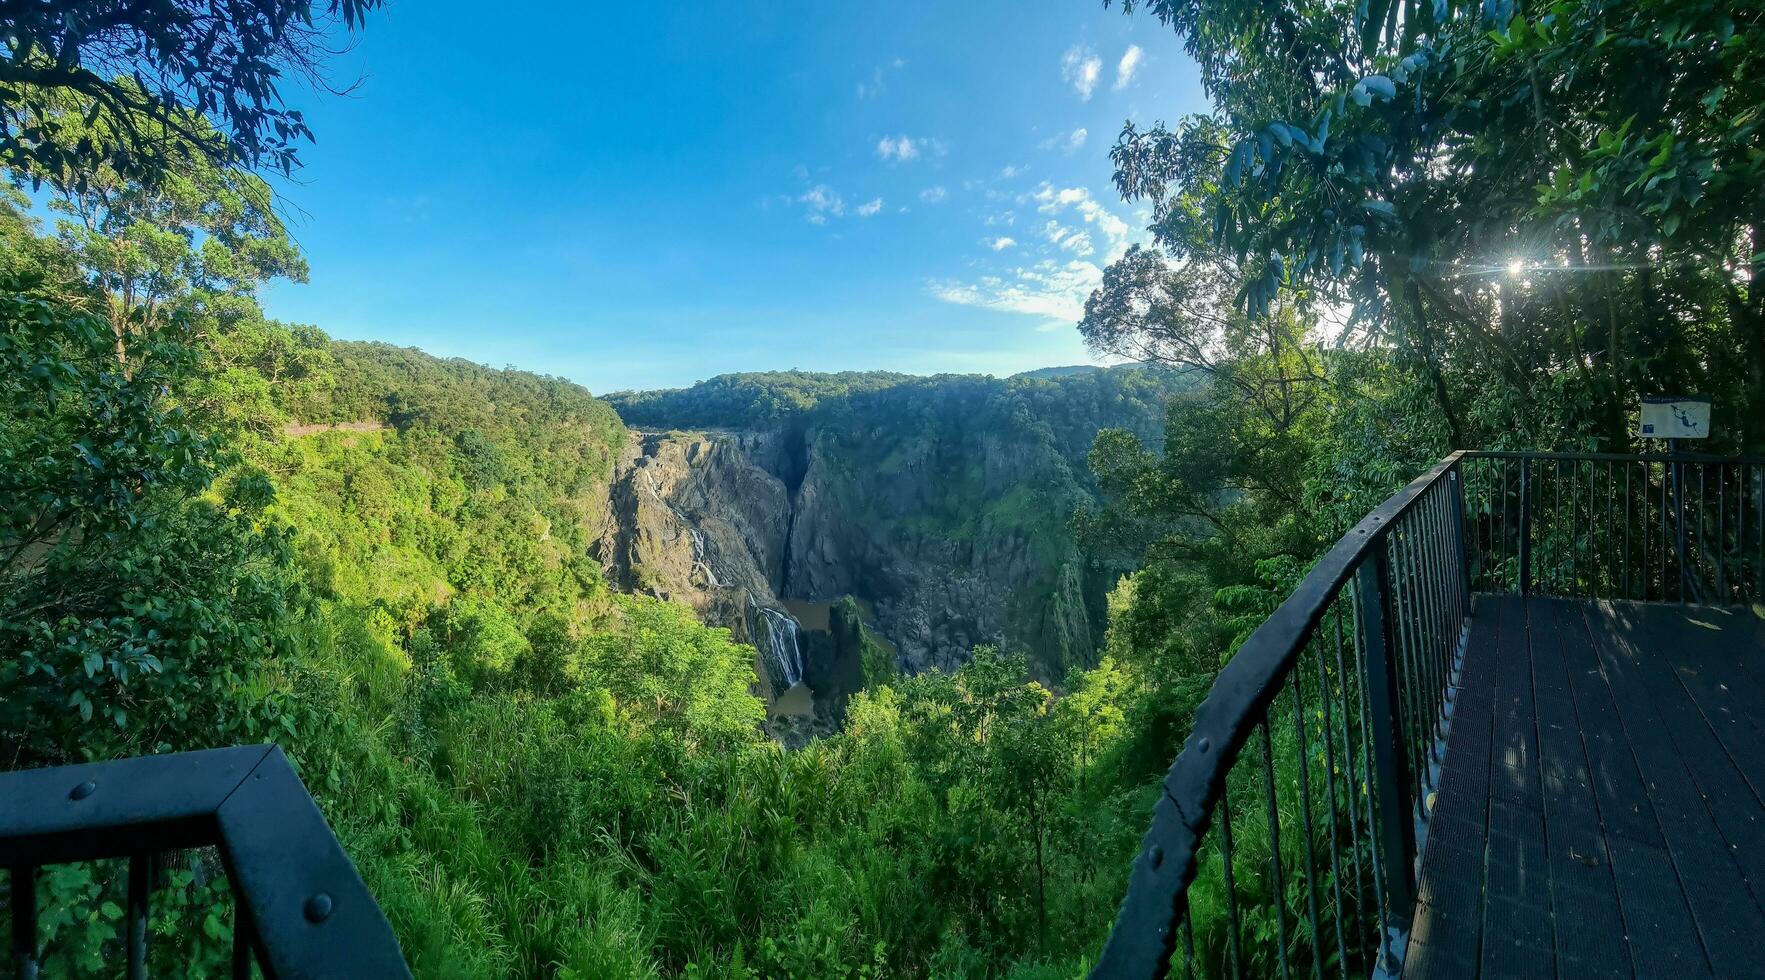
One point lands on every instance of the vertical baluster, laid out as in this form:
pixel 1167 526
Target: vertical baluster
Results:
pixel 1188 943
pixel 1681 554
pixel 1572 530
pixel 1325 711
pixel 1437 586
pixel 1427 577
pixel 1722 532
pixel 1643 537
pixel 1449 577
pixel 1525 542
pixel 1482 502
pixel 1662 524
pixel 139 870
pixel 24 921
pixel 1428 642
pixel 1599 524
pixel 1611 545
pixel 1381 903
pixel 1277 881
pixel 1625 564
pixel 1579 532
pixel 1742 593
pixel 1591 528
pixel 1699 541
pixel 1351 785
pixel 1233 945
pixel 242 942
pixel 1395 647
pixel 1396 831
pixel 1311 860
pixel 1403 601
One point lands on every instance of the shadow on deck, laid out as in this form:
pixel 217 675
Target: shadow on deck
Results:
pixel 1601 808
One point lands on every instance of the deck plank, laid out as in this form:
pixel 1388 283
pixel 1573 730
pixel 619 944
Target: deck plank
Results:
pixel 1583 890
pixel 1600 809
pixel 1653 712
pixel 1518 935
pixel 1446 939
pixel 1658 926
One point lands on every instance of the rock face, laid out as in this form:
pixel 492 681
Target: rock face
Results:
pixel 694 518
pixel 943 504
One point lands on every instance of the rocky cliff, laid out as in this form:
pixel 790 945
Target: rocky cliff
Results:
pixel 943 504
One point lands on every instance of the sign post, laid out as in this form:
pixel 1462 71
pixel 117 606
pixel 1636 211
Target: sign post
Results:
pixel 1675 417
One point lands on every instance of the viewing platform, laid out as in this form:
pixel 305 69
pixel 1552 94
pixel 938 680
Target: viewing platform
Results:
pixel 1512 725
pixel 1599 809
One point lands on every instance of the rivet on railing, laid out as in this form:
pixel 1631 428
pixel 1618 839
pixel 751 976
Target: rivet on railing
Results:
pixel 318 908
pixel 1155 856
pixel 83 790
pixel 1204 744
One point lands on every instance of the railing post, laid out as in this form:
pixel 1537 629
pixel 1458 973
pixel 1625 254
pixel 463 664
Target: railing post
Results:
pixel 1685 579
pixel 1458 536
pixel 1525 525
pixel 1390 783
pixel 24 921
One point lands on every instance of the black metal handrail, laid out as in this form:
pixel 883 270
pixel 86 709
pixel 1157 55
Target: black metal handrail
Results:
pixel 1666 528
pixel 1365 653
pixel 300 908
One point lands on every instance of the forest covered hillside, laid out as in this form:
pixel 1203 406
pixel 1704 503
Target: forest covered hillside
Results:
pixel 944 502
pixel 225 529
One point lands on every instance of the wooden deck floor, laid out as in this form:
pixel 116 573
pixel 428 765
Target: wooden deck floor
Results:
pixel 1601 809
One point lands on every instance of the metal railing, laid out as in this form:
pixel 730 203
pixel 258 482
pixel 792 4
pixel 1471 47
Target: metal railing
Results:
pixel 300 908
pixel 1286 842
pixel 1680 528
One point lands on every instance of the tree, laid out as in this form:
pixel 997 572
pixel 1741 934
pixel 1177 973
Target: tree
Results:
pixel 1501 193
pixel 151 72
pixel 131 610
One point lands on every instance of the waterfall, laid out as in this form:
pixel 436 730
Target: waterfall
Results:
pixel 700 560
pixel 781 642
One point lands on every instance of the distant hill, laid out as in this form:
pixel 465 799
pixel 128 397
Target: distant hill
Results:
pixel 1068 370
pixel 1065 371
pixel 757 398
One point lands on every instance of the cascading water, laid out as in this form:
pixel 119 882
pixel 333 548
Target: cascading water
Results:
pixel 781 641
pixel 700 561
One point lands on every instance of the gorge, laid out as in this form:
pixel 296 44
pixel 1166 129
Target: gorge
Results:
pixel 940 505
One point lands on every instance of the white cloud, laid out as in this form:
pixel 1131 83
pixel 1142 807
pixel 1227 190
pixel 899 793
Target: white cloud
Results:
pixel 878 82
pixel 870 207
pixel 822 202
pixel 1048 289
pixel 903 148
pixel 1051 200
pixel 1001 243
pixel 934 195
pixel 897 148
pixel 1081 68
pixel 1074 240
pixel 1125 68
pixel 1010 171
pixel 1068 142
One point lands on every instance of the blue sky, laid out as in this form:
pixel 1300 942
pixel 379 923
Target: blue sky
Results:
pixel 644 195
